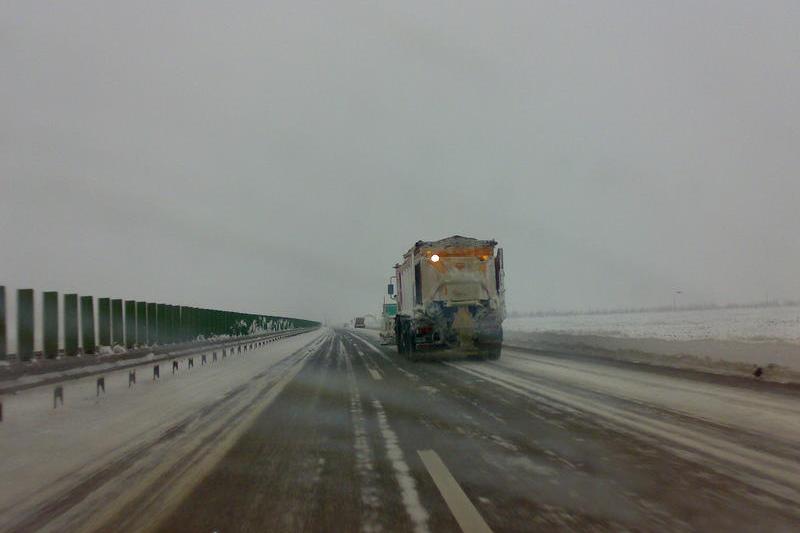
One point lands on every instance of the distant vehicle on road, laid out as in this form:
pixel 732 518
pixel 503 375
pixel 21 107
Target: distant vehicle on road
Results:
pixel 359 322
pixel 450 295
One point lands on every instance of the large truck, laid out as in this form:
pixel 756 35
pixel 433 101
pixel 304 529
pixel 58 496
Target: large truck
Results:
pixel 450 298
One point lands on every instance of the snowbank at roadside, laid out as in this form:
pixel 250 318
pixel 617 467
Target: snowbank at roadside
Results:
pixel 735 324
pixel 726 341
pixel 779 359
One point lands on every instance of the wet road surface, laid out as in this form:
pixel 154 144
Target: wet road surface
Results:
pixel 363 440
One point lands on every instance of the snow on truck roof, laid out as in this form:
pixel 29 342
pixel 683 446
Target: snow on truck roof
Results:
pixel 456 241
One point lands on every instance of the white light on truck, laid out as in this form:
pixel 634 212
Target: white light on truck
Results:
pixel 435 258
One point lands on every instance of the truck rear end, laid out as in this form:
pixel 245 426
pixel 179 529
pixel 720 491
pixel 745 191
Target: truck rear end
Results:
pixel 450 296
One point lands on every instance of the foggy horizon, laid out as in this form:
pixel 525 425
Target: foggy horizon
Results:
pixel 281 158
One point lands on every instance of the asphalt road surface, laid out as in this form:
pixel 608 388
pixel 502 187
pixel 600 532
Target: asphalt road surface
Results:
pixel 330 431
pixel 362 440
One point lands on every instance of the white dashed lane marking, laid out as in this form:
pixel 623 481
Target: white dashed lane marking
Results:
pixel 467 516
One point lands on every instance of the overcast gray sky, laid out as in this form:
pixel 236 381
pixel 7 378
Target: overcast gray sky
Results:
pixel 279 157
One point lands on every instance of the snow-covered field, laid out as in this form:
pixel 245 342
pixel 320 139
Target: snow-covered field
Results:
pixel 723 340
pixel 754 324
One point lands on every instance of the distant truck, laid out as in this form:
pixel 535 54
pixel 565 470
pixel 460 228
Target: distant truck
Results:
pixel 450 296
pixel 359 322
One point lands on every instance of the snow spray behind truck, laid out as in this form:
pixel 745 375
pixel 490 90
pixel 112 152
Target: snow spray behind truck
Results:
pixel 450 295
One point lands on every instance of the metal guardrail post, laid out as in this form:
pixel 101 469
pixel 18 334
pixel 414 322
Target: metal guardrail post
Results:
pixel 50 324
pixel 104 320
pixel 24 324
pixel 130 324
pixel 117 333
pixel 87 325
pixel 58 394
pixel 70 324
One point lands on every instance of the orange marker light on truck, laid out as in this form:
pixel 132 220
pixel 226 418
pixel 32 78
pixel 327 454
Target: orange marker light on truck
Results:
pixel 435 258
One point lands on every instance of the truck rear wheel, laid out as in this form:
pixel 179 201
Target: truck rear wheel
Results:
pixel 401 332
pixel 492 346
pixel 409 334
pixel 493 353
pixel 400 337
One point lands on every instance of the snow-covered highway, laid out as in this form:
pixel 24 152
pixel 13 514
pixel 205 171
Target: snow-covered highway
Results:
pixel 64 468
pixel 329 431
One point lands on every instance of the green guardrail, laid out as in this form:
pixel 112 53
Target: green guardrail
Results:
pixel 127 323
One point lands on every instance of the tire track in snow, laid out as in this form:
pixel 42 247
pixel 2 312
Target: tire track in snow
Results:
pixel 169 461
pixel 365 459
pixel 359 339
pixel 408 487
pixel 771 474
